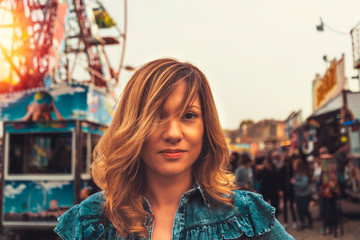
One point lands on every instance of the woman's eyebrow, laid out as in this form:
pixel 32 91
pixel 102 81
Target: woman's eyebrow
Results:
pixel 195 106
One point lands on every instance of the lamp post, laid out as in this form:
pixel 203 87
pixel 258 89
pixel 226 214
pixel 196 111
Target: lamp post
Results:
pixel 321 27
pixel 355 37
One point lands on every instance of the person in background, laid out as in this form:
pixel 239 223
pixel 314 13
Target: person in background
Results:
pixel 277 160
pixel 244 174
pixel 269 183
pixel 317 174
pixel 259 160
pixel 341 161
pixel 161 166
pixel 303 192
pixel 330 191
pixel 234 161
pixel 286 173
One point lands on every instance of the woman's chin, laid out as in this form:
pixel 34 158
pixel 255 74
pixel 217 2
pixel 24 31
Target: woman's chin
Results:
pixel 171 172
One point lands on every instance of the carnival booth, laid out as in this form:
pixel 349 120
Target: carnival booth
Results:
pixel 334 124
pixel 49 135
pixel 336 127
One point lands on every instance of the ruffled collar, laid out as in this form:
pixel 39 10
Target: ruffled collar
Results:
pixel 188 194
pixel 197 186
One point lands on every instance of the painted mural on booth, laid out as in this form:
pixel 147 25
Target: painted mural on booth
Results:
pixel 60 102
pixel 36 200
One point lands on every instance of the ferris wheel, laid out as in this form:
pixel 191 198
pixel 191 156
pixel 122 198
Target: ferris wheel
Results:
pixel 43 42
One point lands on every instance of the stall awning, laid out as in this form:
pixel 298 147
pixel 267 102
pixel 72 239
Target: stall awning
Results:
pixel 333 105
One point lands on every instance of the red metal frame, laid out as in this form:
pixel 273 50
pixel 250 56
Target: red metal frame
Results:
pixel 33 45
pixel 90 43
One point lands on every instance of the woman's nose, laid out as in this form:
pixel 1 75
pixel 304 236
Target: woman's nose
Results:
pixel 173 131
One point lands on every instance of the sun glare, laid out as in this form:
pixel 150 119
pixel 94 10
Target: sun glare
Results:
pixel 6 28
pixel 6 36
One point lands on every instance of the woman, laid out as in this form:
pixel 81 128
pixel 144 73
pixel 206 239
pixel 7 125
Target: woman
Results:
pixel 161 165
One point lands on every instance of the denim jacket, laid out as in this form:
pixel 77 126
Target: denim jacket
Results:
pixel 196 218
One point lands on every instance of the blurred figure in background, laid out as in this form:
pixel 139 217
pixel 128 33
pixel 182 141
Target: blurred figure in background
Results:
pixel 277 160
pixel 234 161
pixel 259 159
pixel 286 173
pixel 317 173
pixel 244 174
pixel 268 177
pixel 303 192
pixel 330 192
pixel 342 160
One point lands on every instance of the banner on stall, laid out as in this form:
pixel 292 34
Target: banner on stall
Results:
pixel 58 102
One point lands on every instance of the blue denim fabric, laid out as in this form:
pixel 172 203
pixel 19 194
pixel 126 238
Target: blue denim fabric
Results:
pixel 197 217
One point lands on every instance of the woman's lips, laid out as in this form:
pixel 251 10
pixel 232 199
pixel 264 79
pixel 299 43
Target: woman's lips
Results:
pixel 172 154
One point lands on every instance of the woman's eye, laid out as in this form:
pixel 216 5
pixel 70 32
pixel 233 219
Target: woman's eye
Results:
pixel 162 116
pixel 190 116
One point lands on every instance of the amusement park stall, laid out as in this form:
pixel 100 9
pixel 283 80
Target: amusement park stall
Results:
pixel 49 135
pixel 334 124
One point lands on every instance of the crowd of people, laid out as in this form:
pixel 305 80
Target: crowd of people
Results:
pixel 290 183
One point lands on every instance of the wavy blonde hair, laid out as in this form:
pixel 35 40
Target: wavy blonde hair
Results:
pixel 117 168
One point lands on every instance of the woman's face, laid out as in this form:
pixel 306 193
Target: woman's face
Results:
pixel 176 143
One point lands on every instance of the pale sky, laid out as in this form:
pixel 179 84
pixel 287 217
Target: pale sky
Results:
pixel 259 56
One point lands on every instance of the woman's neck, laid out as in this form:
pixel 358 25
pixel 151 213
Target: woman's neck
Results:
pixel 166 191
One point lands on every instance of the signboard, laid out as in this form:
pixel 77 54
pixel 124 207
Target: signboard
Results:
pixel 330 85
pixel 58 102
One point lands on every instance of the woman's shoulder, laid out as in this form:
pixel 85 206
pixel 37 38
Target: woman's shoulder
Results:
pixel 91 206
pixel 246 200
pixel 250 216
pixel 96 199
pixel 254 212
pixel 83 218
pixel 257 216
